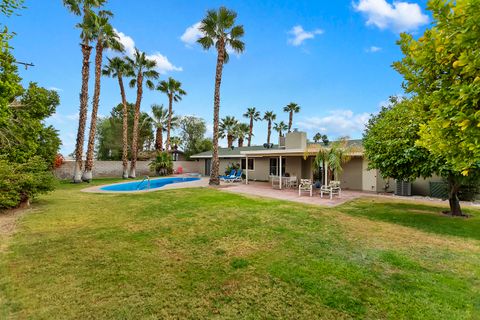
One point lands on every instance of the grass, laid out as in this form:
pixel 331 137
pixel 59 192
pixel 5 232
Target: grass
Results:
pixel 204 253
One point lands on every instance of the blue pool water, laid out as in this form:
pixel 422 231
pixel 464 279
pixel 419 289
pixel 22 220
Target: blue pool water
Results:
pixel 139 185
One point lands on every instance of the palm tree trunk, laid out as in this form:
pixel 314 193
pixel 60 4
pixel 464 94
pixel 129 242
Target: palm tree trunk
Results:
pixel 250 133
pixel 159 139
pixel 214 180
pixel 133 162
pixel 240 142
pixel 269 132
pixel 87 175
pixel 82 117
pixel 229 140
pixel 124 128
pixel 169 123
pixel 290 120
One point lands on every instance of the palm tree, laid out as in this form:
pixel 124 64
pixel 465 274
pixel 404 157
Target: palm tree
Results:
pixel 269 116
pixel 82 8
pixel 176 141
pixel 143 68
pixel 333 157
pixel 242 130
pixel 173 89
pixel 317 137
pixel 219 30
pixel 253 115
pixel 291 108
pixel 280 127
pixel 160 121
pixel 106 38
pixel 117 68
pixel 227 129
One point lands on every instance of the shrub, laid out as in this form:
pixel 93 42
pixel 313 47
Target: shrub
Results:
pixel 162 164
pixel 232 166
pixel 21 182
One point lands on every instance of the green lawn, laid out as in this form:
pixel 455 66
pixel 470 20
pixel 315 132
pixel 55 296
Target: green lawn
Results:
pixel 204 253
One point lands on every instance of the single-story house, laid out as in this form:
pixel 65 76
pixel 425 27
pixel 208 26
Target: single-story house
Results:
pixel 294 156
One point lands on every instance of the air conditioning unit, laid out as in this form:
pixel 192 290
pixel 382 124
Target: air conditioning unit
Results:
pixel 403 188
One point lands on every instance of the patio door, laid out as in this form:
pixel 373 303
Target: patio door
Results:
pixel 208 166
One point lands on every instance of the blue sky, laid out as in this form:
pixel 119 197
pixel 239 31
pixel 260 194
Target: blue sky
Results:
pixel 333 58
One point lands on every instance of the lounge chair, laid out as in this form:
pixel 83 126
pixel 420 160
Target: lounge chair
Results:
pixel 230 176
pixel 236 178
pixel 305 186
pixel 332 189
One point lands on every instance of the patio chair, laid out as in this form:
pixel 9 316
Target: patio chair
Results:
pixel 332 189
pixel 230 176
pixel 236 178
pixel 293 182
pixel 305 186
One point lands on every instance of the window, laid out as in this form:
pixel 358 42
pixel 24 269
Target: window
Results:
pixel 251 164
pixel 274 166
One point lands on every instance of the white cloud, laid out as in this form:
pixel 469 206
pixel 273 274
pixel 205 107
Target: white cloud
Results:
pixel 373 49
pixel 163 64
pixel 399 16
pixel 299 35
pixel 337 123
pixel 192 34
pixel 55 89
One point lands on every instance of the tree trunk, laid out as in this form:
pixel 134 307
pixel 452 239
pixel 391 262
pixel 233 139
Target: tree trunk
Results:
pixel 133 163
pixel 169 123
pixel 454 202
pixel 159 139
pixel 82 116
pixel 250 133
pixel 290 120
pixel 87 175
pixel 229 140
pixel 269 132
pixel 214 180
pixel 124 128
pixel 240 142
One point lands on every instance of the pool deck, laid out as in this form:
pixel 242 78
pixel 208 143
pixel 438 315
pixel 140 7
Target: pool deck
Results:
pixel 203 182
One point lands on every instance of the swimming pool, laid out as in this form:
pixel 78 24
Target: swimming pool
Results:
pixel 144 185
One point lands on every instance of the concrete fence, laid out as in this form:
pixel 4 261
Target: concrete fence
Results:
pixel 111 169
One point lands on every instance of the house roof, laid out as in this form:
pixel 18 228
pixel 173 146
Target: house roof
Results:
pixel 260 151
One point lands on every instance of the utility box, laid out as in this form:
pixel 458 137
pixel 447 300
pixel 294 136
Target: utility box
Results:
pixel 403 188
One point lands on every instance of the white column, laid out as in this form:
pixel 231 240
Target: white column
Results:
pixel 280 172
pixel 246 169
pixel 326 172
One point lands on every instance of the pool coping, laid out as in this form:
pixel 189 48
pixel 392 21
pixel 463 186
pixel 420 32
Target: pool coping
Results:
pixel 203 182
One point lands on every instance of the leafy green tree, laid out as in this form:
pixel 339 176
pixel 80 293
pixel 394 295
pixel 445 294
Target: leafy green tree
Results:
pixel 110 132
pixel 219 31
pixel 291 108
pixel 227 129
pixel 253 115
pixel 10 89
pixel 441 69
pixel 173 89
pixel 441 74
pixel 193 131
pixel 106 38
pixel 7 9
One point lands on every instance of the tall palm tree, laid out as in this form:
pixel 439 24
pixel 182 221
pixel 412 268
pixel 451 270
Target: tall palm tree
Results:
pixel 106 38
pixel 280 127
pixel 82 8
pixel 253 115
pixel 118 68
pixel 242 130
pixel 227 129
pixel 160 120
pixel 269 116
pixel 219 30
pixel 143 68
pixel 291 108
pixel 176 141
pixel 173 89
